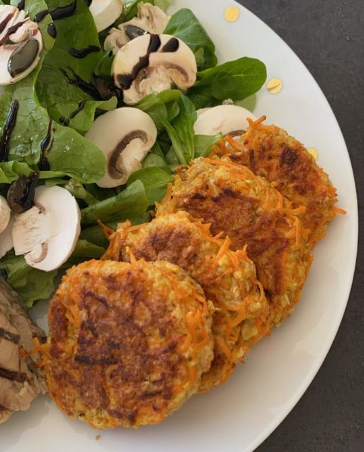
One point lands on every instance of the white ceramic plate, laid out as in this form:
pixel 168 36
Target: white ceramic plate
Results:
pixel 239 415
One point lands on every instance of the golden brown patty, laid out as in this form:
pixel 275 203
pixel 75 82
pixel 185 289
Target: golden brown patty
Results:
pixel 228 279
pixel 251 212
pixel 128 343
pixel 271 153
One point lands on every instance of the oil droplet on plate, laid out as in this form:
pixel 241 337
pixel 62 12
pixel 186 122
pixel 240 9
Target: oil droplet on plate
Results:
pixel 275 85
pixel 232 13
pixel 313 152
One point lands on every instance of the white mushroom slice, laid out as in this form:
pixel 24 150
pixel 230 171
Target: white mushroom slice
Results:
pixel 125 136
pixel 47 233
pixel 20 45
pixel 4 214
pixel 6 239
pixel 152 64
pixel 105 12
pixel 225 119
pixel 150 19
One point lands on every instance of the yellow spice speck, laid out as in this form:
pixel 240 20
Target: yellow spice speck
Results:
pixel 275 85
pixel 232 13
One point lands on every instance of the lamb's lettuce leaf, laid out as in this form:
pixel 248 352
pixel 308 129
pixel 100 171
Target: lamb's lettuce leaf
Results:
pixel 131 202
pixel 185 26
pixel 155 182
pixel 55 92
pixel 234 80
pixel 205 143
pixel 161 107
pixel 181 131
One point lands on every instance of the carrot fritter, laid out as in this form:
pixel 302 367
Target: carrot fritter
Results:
pixel 128 343
pixel 271 153
pixel 228 279
pixel 251 212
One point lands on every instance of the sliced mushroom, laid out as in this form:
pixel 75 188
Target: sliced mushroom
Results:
pixel 152 64
pixel 225 119
pixel 125 136
pixel 20 45
pixel 6 239
pixel 4 214
pixel 47 233
pixel 150 19
pixel 105 12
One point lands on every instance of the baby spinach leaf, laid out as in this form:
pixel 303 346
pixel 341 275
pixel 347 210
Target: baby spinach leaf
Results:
pixel 234 80
pixel 69 154
pixel 155 182
pixel 131 202
pixel 205 143
pixel 57 86
pixel 185 26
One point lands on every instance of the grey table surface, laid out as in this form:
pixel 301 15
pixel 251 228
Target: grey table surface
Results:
pixel 328 36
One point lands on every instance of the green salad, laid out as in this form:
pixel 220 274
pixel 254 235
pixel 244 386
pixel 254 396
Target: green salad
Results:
pixel 98 108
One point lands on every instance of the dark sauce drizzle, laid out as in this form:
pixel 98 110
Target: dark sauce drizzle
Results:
pixel 5 22
pixel 8 129
pixel 99 89
pixel 171 46
pixel 64 11
pixel 11 30
pixel 133 32
pixel 66 121
pixel 21 4
pixel 126 80
pixel 22 58
pixel 82 53
pixel 40 16
pixel 88 88
pixel 88 2
pixel 52 30
pixel 22 192
pixel 45 147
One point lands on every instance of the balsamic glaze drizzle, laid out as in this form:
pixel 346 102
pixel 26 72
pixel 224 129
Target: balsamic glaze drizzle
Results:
pixel 66 121
pixel 21 5
pixel 40 15
pixel 171 46
pixel 5 22
pixel 52 30
pixel 11 30
pixel 126 80
pixel 22 192
pixel 45 147
pixel 23 57
pixel 88 88
pixel 64 11
pixel 7 131
pixel 82 53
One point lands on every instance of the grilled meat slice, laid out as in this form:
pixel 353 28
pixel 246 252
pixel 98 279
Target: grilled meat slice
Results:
pixel 20 379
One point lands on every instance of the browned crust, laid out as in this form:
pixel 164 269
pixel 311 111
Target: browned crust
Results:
pixel 121 350
pixel 271 153
pixel 229 281
pixel 251 212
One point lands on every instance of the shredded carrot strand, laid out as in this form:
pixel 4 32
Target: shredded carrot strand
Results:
pixel 340 211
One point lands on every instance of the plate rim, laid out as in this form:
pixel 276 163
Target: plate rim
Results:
pixel 279 419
